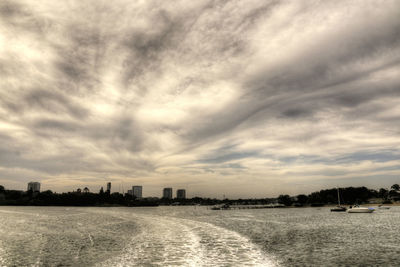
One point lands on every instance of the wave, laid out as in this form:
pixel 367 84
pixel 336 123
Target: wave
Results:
pixel 168 241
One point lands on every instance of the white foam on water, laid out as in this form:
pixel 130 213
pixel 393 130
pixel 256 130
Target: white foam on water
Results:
pixel 91 239
pixel 2 256
pixel 3 253
pixel 166 241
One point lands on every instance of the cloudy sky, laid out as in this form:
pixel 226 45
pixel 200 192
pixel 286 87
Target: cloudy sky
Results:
pixel 242 98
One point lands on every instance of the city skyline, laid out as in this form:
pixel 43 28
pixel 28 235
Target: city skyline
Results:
pixel 236 98
pixel 137 190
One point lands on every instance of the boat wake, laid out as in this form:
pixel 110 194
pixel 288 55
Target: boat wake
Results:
pixel 2 256
pixel 181 242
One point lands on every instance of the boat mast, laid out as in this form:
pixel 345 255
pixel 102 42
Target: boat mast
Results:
pixel 338 196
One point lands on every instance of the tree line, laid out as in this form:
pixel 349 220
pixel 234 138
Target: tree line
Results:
pixel 78 198
pixel 348 195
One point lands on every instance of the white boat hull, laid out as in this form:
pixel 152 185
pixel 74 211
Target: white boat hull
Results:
pixel 360 210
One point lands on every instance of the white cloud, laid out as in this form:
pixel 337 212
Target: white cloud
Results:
pixel 244 98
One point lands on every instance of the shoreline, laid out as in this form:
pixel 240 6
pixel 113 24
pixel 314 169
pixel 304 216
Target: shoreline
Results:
pixel 208 206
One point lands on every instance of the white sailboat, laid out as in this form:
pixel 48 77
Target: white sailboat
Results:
pixel 358 209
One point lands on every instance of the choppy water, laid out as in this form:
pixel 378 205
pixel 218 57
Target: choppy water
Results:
pixel 196 236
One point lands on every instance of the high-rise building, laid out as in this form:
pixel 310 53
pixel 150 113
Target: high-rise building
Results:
pixel 34 186
pixel 109 187
pixel 137 191
pixel 167 193
pixel 130 192
pixel 181 193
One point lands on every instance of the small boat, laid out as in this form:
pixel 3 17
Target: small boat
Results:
pixel 338 208
pixel 383 207
pixel 358 209
pixel 221 207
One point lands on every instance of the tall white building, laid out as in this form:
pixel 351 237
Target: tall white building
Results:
pixel 34 186
pixel 137 191
pixel 167 193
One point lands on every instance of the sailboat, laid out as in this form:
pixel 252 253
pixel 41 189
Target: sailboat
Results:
pixel 338 208
pixel 358 209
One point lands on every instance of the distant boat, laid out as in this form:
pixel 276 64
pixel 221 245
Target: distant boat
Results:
pixel 383 207
pixel 358 209
pixel 338 208
pixel 221 207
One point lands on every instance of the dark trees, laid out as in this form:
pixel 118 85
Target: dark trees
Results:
pixel 285 200
pixel 302 199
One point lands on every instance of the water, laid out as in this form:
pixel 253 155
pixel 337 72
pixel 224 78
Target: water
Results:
pixel 196 236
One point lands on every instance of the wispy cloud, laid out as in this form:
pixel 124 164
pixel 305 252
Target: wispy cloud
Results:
pixel 246 98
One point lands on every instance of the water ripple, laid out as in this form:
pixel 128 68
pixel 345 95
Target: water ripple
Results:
pixel 167 241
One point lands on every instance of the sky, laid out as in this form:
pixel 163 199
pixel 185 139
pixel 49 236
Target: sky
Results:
pixel 235 98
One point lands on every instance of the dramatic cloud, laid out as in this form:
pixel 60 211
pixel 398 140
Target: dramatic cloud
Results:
pixel 242 98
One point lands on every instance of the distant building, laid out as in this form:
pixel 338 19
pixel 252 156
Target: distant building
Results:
pixel 137 191
pixel 109 187
pixel 34 186
pixel 130 192
pixel 167 193
pixel 181 193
